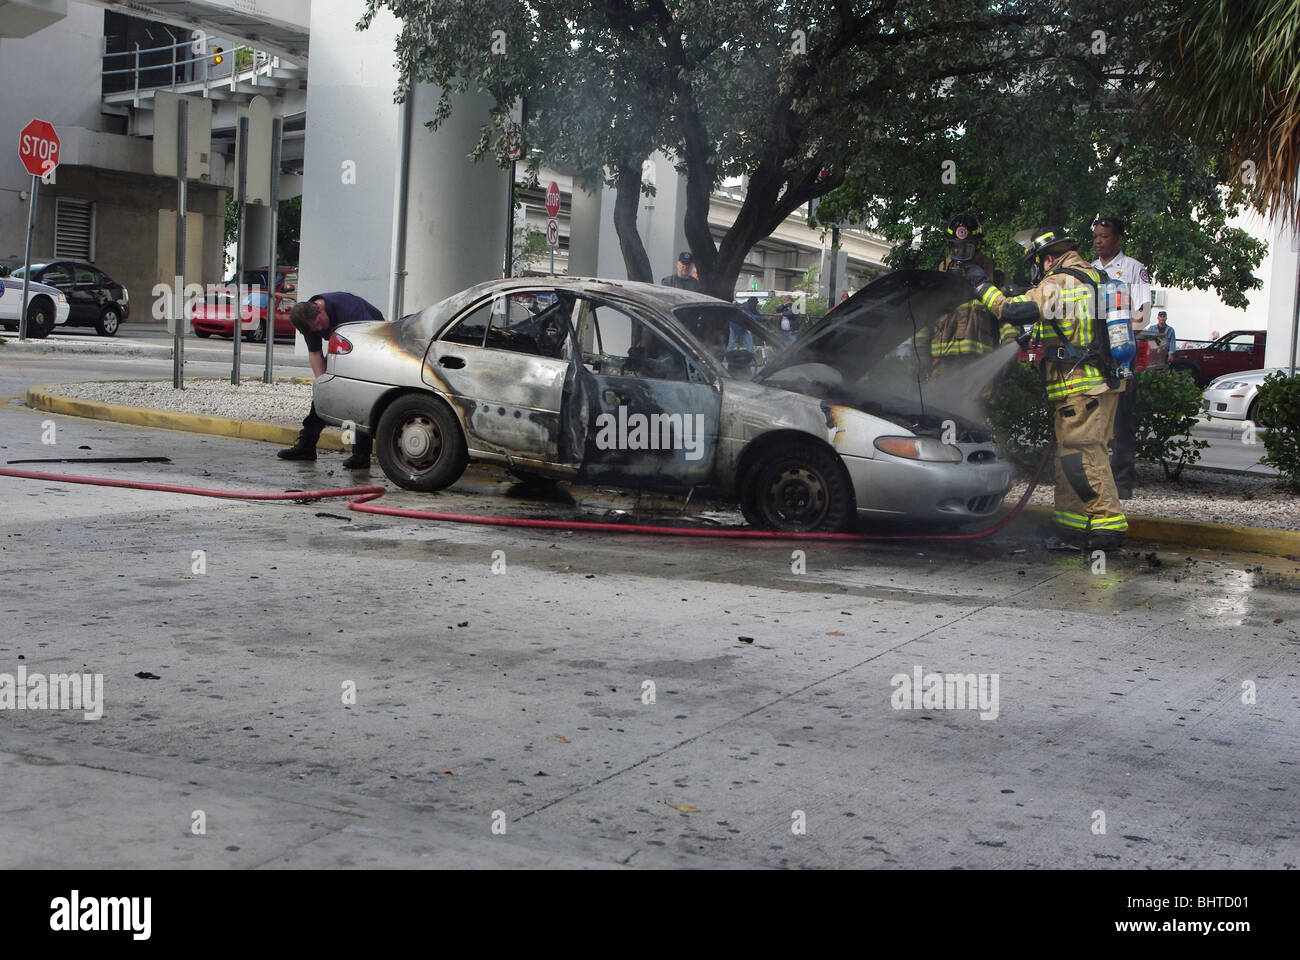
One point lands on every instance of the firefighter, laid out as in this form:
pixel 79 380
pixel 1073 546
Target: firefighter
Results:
pixel 1080 378
pixel 970 331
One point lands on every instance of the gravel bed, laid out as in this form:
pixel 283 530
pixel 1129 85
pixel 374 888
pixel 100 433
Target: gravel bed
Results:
pixel 279 402
pixel 1241 499
pixel 1233 498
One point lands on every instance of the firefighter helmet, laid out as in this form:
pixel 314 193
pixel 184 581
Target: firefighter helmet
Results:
pixel 963 234
pixel 1040 243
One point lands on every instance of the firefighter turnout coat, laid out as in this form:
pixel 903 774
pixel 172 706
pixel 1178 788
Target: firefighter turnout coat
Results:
pixel 1062 309
pixel 968 332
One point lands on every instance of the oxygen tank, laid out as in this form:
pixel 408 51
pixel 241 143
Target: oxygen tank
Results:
pixel 1119 325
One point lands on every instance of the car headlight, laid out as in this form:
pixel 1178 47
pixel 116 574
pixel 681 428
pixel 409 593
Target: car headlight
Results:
pixel 62 299
pixel 919 448
pixel 1231 385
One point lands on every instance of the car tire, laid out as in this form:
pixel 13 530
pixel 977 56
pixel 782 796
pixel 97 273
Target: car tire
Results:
pixel 40 318
pixel 258 334
pixel 1253 415
pixel 108 322
pixel 1191 371
pixel 799 488
pixel 419 443
pixel 11 327
pixel 203 334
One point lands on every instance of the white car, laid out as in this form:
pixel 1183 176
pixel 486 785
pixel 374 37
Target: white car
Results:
pixel 1233 396
pixel 47 307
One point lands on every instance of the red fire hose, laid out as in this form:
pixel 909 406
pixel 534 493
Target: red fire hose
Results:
pixel 361 497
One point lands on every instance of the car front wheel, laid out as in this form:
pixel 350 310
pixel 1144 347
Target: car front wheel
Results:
pixel 40 318
pixel 799 488
pixel 108 322
pixel 1253 415
pixel 419 444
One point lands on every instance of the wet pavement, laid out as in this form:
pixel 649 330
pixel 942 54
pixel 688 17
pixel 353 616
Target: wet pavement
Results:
pixel 339 688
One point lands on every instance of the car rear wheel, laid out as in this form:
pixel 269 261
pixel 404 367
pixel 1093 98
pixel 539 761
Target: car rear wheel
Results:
pixel 419 444
pixel 108 322
pixel 203 334
pixel 799 488
pixel 1190 371
pixel 40 318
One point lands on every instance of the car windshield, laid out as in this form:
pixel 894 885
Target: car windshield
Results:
pixel 873 352
pixel 736 340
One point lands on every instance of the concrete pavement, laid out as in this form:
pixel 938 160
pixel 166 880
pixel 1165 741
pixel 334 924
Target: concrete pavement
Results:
pixel 1146 715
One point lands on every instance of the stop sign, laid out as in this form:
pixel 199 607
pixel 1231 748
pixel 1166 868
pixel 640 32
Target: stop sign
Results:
pixel 38 148
pixel 553 200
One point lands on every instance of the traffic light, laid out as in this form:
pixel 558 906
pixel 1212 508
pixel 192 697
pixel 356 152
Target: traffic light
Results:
pixel 217 56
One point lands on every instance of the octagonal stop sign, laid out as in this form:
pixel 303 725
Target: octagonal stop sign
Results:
pixel 38 148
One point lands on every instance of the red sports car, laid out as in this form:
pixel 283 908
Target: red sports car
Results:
pixel 217 314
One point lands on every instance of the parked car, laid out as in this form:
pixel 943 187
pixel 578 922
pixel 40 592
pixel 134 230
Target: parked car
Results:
pixel 94 298
pixel 1234 352
pixel 1235 395
pixel 641 386
pixel 47 307
pixel 217 314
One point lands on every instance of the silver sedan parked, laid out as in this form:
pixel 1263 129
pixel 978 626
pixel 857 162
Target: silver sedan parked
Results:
pixel 652 387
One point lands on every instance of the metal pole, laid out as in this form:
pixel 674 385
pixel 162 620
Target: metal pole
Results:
pixel 835 256
pixel 510 222
pixel 27 259
pixel 241 189
pixel 277 126
pixel 1295 307
pixel 178 295
pixel 397 289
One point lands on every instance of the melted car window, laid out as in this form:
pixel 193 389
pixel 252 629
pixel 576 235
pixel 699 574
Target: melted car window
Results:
pixel 735 339
pixel 471 329
pixel 536 323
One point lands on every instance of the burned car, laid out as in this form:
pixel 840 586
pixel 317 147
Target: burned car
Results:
pixel 646 386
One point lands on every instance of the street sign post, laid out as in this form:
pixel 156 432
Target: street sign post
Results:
pixel 38 149
pixel 552 225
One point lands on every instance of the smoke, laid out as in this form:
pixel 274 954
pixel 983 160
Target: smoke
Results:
pixel 965 392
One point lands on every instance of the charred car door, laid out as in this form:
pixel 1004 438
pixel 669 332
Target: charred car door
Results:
pixel 506 364
pixel 653 407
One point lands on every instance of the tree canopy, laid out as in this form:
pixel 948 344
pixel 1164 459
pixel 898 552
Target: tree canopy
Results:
pixel 1035 104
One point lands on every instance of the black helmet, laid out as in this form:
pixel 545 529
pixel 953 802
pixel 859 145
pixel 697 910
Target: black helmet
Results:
pixel 1040 243
pixel 963 234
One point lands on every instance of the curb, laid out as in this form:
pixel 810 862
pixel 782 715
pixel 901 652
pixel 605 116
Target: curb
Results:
pixel 1197 533
pixel 40 398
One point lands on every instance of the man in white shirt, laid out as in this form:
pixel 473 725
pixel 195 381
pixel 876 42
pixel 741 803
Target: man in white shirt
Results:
pixel 1107 238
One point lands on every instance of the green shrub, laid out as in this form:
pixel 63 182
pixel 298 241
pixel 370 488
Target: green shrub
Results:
pixel 1021 418
pixel 1168 405
pixel 1279 407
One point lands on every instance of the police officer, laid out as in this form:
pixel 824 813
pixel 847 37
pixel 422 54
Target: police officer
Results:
pixel 970 331
pixel 1079 378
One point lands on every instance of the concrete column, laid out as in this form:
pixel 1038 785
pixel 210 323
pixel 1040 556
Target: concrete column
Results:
pixel 584 233
pixel 456 210
pixel 257 220
pixel 351 139
pixel 1281 286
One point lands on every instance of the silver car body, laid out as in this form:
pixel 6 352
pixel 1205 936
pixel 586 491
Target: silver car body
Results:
pixel 13 295
pixel 1230 396
pixel 518 409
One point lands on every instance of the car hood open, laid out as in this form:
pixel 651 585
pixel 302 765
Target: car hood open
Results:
pixel 863 354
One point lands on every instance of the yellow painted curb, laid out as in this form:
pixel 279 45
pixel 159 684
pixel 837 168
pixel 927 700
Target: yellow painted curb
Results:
pixel 1195 533
pixel 42 399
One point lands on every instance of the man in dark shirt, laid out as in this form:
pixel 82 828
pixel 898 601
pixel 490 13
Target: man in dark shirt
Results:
pixel 682 278
pixel 315 319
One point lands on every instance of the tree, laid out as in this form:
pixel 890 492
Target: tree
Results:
pixel 1229 77
pixel 795 96
pixel 784 93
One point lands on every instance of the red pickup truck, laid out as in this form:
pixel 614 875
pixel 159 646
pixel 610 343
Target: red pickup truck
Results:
pixel 1231 353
